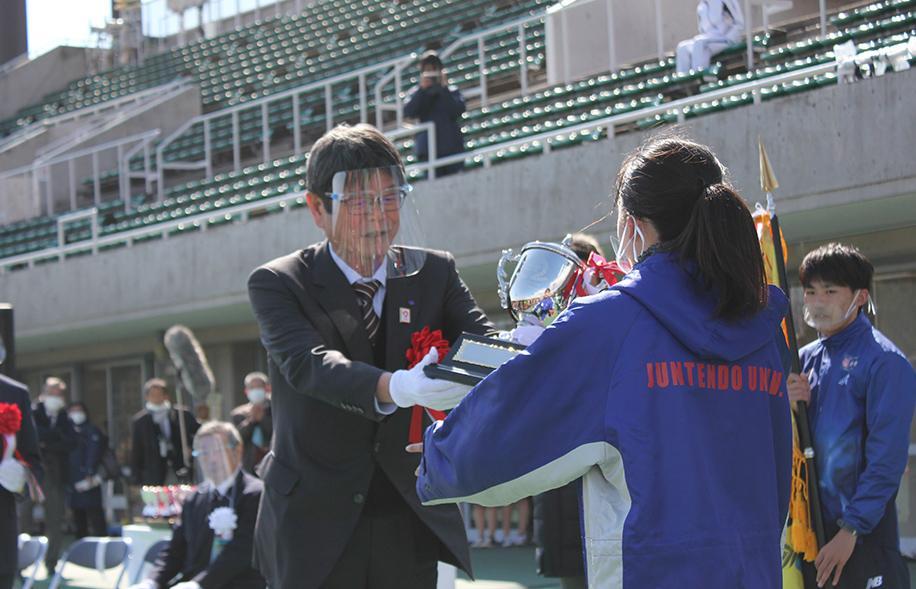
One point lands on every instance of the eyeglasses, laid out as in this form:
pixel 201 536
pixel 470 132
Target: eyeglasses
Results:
pixel 366 201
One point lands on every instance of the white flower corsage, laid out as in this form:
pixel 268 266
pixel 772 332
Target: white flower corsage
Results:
pixel 223 521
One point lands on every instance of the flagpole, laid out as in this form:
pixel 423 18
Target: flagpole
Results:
pixel 803 422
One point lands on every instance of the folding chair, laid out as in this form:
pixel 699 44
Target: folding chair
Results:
pixel 100 554
pixel 32 551
pixel 150 557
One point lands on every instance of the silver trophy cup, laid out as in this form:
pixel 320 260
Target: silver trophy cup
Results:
pixel 543 282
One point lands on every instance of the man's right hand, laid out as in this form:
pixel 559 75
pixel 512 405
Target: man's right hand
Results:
pixel 799 388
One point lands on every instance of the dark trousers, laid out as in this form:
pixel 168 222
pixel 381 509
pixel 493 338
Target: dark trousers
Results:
pixel 6 581
pixel 870 566
pixel 89 522
pixel 388 551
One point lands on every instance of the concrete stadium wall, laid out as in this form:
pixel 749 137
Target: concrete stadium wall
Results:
pixel 832 149
pixel 29 83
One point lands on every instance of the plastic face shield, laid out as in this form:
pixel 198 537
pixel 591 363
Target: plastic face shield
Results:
pixel 214 458
pixel 374 220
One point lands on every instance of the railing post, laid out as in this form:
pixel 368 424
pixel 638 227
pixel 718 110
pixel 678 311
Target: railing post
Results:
pixel 265 133
pixel 431 149
pixel 147 169
pixel 611 45
pixel 297 126
pixel 208 150
pixel 822 5
pixel 160 173
pixel 523 59
pixel 659 38
pixel 482 74
pixel 96 183
pixel 236 142
pixel 328 108
pixel 399 110
pixel 71 172
pixel 363 100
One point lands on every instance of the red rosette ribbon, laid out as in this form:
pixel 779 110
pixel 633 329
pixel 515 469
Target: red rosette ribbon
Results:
pixel 609 271
pixel 421 342
pixel 10 424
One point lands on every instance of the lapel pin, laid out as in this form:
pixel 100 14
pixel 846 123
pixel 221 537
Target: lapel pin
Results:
pixel 405 315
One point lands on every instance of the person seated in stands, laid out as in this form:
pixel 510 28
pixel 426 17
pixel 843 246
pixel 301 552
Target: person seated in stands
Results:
pixel 434 100
pixel 720 24
pixel 212 547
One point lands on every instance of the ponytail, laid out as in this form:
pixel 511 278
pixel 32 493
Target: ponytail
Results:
pixel 721 238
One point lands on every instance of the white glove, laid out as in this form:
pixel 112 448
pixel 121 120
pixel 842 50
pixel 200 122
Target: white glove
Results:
pixel 412 387
pixel 12 475
pixel 526 333
pixel 144 584
pixel 187 585
pixel 587 277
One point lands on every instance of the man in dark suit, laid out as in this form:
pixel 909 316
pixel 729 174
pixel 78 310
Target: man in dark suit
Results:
pixel 211 547
pixel 340 508
pixel 56 439
pixel 157 453
pixel 13 477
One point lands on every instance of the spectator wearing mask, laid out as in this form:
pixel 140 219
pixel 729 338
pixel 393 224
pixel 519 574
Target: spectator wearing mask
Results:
pixel 157 453
pixel 55 438
pixel 434 100
pixel 254 421
pixel 85 491
pixel 212 546
pixel 861 391
pixel 720 24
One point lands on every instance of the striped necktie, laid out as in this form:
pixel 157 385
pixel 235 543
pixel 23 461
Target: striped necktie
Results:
pixel 365 293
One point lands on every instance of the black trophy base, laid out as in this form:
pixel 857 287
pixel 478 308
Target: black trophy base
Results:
pixel 473 358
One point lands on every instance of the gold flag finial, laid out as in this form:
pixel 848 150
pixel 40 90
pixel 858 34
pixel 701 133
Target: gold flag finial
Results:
pixel 768 181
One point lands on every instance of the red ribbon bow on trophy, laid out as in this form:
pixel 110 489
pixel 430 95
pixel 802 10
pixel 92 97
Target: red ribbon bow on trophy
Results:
pixel 420 344
pixel 610 272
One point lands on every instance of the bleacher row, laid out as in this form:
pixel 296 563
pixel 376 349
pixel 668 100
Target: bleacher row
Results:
pixel 547 110
pixel 331 37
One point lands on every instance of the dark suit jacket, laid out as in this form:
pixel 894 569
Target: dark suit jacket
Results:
pixel 147 467
pixel 328 437
pixel 27 444
pixel 56 441
pixel 188 552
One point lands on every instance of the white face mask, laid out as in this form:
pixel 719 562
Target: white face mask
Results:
pixel 78 417
pixel 53 404
pixel 158 408
pixel 257 396
pixel 828 317
pixel 628 246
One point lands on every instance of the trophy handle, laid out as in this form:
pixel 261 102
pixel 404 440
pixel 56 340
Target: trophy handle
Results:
pixel 502 276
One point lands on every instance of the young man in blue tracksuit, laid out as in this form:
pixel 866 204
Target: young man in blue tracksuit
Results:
pixel 861 390
pixel 665 393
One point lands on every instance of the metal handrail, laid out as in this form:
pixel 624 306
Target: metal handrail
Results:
pixel 293 94
pixel 754 87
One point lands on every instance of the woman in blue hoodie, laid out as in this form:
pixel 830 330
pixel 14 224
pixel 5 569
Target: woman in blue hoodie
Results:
pixel 665 394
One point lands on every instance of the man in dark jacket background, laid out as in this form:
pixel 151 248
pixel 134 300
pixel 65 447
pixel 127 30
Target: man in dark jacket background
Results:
pixel 434 100
pixel 157 452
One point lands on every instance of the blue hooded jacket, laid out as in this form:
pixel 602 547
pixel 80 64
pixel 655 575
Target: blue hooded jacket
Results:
pixel 862 398
pixel 678 423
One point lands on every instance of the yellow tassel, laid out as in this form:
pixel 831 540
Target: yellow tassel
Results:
pixel 801 536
